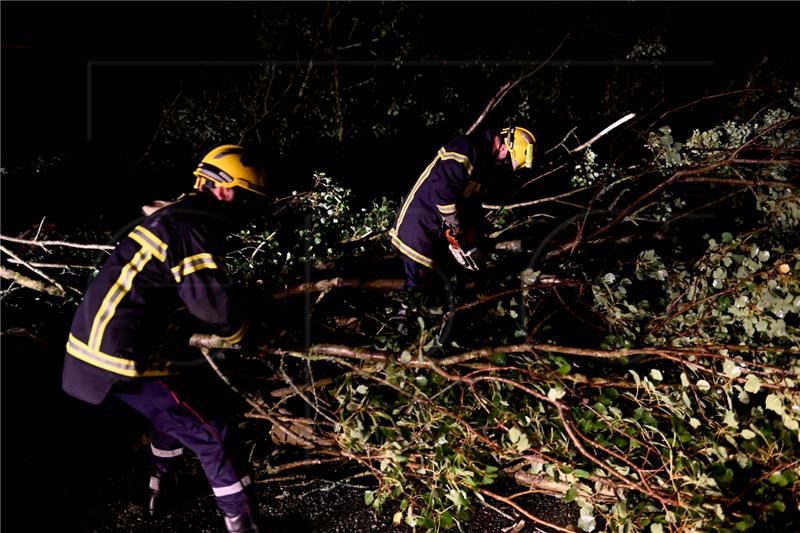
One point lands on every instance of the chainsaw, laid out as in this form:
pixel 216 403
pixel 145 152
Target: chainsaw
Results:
pixel 470 259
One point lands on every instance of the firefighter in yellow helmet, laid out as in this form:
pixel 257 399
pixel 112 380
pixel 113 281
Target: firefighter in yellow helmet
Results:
pixel 169 263
pixel 442 210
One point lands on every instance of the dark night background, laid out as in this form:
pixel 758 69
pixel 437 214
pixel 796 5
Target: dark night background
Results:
pixel 96 121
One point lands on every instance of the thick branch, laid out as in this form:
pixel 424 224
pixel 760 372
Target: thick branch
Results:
pixel 31 283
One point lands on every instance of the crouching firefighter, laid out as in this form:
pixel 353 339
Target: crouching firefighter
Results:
pixel 443 209
pixel 170 263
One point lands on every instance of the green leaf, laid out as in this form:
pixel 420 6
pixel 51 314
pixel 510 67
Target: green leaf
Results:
pixel 774 403
pixel 556 393
pixel 752 383
pixel 778 479
pixel 457 497
pixel 514 435
pixel 405 357
pixel 369 497
pixel 655 527
pixel 744 524
pixel 586 520
pixel 731 369
pixel 523 443
pixel 499 358
pixel 447 520
pixel 656 374
pixel 778 506
pixel 580 473
pixel 747 434
pixel 571 495
pixel 703 385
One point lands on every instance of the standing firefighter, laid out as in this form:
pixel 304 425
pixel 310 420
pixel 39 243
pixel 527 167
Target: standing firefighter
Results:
pixel 168 263
pixel 444 204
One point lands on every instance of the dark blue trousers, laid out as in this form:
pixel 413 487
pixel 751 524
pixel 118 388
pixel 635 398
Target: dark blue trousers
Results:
pixel 178 424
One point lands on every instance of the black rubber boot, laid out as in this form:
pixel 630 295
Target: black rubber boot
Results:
pixel 241 523
pixel 160 491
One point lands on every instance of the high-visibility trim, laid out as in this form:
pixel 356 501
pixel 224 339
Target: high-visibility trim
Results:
pixel 233 488
pixel 147 239
pixel 455 156
pixel 155 483
pixel 193 264
pixel 111 363
pixel 238 335
pixel 152 246
pixel 115 294
pixel 165 453
pixel 417 185
pixel 442 154
pixel 214 173
pixel 448 209
pixel 411 253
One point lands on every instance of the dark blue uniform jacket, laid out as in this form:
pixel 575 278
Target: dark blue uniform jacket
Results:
pixel 170 261
pixel 447 188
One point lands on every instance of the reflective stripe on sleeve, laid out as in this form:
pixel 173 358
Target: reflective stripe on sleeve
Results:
pixel 193 264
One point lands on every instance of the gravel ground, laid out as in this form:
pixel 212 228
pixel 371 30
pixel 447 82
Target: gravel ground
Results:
pixel 316 501
pixel 69 466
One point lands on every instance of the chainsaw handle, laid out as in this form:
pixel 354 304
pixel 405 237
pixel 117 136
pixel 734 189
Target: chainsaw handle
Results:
pixel 451 238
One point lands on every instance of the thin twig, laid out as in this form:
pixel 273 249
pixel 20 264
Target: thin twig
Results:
pixel 45 244
pixel 504 90
pixel 35 270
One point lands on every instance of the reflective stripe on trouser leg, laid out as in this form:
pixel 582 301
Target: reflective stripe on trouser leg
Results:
pixel 164 450
pixel 208 438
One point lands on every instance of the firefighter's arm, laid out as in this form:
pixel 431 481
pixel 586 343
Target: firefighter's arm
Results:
pixel 205 289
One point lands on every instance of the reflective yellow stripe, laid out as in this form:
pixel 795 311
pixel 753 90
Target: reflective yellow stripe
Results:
pixel 147 239
pixel 239 334
pixel 117 365
pixel 448 209
pixel 417 185
pixel 152 246
pixel 443 155
pixel 115 295
pixel 455 156
pixel 193 264
pixel 410 252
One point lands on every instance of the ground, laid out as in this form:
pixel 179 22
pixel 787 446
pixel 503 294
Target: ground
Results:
pixel 70 466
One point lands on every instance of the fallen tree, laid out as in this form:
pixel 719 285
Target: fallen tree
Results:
pixel 634 349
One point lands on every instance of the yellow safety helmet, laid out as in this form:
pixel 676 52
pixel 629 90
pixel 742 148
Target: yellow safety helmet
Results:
pixel 521 146
pixel 229 166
